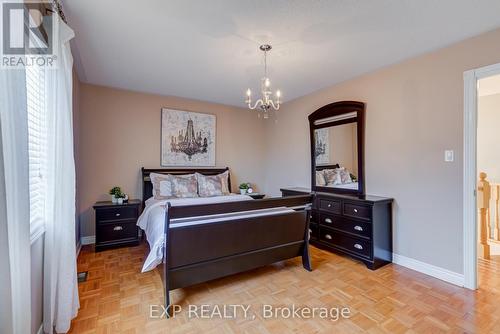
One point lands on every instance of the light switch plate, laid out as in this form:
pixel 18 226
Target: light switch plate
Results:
pixel 449 155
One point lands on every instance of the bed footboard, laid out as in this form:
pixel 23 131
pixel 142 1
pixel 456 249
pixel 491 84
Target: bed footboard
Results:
pixel 201 252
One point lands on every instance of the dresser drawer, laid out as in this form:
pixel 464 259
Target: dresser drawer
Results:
pixel 347 225
pixel 357 211
pixel 116 232
pixel 351 244
pixel 313 217
pixel 313 231
pixel 112 214
pixel 330 205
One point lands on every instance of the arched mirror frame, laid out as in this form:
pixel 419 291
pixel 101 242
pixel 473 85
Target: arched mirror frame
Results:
pixel 333 110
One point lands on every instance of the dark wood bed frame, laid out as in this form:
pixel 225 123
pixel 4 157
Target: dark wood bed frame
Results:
pixel 199 253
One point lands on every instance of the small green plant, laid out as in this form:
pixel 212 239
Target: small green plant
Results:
pixel 245 186
pixel 115 191
pixel 120 195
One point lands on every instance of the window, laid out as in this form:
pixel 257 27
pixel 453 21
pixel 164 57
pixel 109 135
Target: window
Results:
pixel 37 147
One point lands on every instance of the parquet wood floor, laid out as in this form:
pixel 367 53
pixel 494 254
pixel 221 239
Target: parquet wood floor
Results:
pixel 117 296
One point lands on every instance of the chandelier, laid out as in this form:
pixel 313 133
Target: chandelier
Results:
pixel 266 102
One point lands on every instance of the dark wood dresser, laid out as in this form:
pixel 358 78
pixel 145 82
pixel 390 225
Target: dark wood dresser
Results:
pixel 357 226
pixel 115 224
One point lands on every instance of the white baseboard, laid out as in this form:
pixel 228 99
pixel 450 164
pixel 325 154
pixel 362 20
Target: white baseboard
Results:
pixel 429 269
pixel 88 240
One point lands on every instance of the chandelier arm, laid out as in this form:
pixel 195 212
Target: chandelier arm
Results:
pixel 275 106
pixel 256 104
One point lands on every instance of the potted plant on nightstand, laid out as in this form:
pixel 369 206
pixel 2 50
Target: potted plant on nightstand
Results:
pixel 120 197
pixel 244 188
pixel 113 192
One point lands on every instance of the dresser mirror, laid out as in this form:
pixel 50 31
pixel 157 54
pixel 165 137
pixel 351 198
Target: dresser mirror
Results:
pixel 336 132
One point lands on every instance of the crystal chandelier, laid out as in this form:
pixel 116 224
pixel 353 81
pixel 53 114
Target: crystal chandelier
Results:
pixel 266 102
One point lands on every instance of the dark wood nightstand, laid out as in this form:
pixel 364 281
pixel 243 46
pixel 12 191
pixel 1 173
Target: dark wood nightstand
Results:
pixel 294 191
pixel 115 224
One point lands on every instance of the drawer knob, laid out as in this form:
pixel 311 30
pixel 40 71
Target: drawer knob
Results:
pixel 117 228
pixel 358 246
pixel 356 210
pixel 328 220
pixel 327 236
pixel 311 217
pixel 329 205
pixel 358 228
pixel 117 215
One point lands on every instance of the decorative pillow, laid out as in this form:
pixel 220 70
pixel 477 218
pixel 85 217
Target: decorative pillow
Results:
pixel 162 186
pixel 332 176
pixel 224 178
pixel 345 176
pixel 209 185
pixel 320 178
pixel 184 186
pixel 213 185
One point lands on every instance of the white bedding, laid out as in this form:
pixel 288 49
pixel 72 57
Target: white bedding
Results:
pixel 152 220
pixel 352 185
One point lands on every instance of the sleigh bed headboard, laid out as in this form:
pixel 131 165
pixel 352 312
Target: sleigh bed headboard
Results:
pixel 147 186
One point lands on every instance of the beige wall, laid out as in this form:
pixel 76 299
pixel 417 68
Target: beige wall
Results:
pixel 119 132
pixel 343 146
pixel 414 112
pixel 488 136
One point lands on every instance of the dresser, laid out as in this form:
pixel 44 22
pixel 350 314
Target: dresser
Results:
pixel 357 226
pixel 115 224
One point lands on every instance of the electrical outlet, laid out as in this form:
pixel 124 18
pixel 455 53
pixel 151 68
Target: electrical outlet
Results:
pixel 449 156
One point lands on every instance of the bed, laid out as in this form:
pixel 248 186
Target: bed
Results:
pixel 199 239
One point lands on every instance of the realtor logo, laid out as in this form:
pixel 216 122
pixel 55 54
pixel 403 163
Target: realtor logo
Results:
pixel 28 34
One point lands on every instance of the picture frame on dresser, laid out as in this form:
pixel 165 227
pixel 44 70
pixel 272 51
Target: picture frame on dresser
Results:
pixel 337 145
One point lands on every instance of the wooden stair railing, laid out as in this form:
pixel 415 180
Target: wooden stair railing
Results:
pixel 483 204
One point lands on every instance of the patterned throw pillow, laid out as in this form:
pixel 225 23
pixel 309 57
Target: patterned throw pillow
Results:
pixel 320 178
pixel 209 186
pixel 213 185
pixel 184 186
pixel 345 176
pixel 162 186
pixel 332 176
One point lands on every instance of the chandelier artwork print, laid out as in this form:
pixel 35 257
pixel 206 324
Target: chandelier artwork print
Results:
pixel 187 138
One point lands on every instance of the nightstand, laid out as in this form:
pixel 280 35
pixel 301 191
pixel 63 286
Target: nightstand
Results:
pixel 115 224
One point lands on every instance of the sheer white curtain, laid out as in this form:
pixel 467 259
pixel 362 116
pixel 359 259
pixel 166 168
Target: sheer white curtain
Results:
pixel 60 278
pixel 14 197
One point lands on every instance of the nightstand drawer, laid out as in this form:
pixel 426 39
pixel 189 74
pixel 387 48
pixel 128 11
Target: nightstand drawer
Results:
pixel 116 213
pixel 116 232
pixel 357 211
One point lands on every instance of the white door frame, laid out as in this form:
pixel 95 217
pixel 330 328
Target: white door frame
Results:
pixel 470 170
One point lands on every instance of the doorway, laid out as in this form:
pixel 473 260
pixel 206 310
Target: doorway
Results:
pixel 473 94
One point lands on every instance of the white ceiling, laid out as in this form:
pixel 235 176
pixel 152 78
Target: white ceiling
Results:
pixel 208 50
pixel 489 85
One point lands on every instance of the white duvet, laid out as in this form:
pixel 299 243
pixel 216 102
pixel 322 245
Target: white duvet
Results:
pixel 152 221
